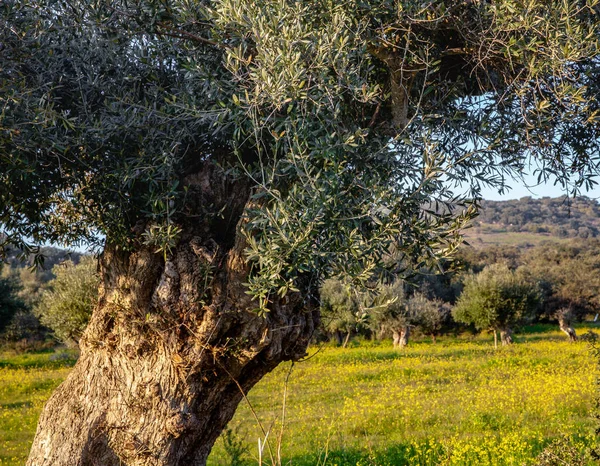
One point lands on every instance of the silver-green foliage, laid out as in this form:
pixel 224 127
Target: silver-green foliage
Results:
pixel 429 314
pixel 342 309
pixel 497 298
pixel 358 125
pixel 10 302
pixel 393 309
pixel 67 303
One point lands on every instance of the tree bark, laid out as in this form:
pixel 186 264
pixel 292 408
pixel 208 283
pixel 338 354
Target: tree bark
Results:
pixel 506 337
pixel 347 339
pixel 395 338
pixel 564 321
pixel 339 339
pixel 170 347
pixel 404 336
pixel 400 337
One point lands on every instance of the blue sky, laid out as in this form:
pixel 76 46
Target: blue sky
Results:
pixel 519 190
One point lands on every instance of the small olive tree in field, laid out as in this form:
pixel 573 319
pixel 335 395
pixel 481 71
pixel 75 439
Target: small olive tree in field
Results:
pixel 391 313
pixel 341 312
pixel 395 313
pixel 497 299
pixel 570 281
pixel 430 314
pixel 67 304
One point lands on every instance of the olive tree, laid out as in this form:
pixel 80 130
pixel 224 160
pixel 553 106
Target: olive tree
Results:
pixel 431 315
pixel 341 310
pixel 497 299
pixel 67 302
pixel 395 313
pixel 391 313
pixel 570 281
pixel 227 156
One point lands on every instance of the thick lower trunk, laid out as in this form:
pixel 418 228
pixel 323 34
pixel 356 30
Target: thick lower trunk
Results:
pixel 400 337
pixel 166 357
pixel 506 337
pixel 570 332
pixel 395 338
pixel 404 335
pixel 339 337
pixel 564 321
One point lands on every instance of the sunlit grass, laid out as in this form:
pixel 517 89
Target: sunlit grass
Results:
pixel 26 382
pixel 457 402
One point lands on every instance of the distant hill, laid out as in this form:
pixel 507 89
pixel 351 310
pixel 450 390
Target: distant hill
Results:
pixel 52 256
pixel 531 221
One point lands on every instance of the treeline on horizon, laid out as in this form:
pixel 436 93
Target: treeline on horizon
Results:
pixel 561 217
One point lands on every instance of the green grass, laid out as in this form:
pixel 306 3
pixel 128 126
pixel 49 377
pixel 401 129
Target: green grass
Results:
pixel 457 402
pixel 26 382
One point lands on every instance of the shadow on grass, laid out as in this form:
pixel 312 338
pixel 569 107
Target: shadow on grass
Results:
pixel 428 453
pixel 16 405
pixel 398 455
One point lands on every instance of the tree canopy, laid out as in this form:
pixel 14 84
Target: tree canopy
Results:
pixel 497 299
pixel 357 125
pixel 232 154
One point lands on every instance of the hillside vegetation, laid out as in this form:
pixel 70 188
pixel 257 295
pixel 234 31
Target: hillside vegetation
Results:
pixel 532 221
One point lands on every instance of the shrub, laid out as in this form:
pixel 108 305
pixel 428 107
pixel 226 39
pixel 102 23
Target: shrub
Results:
pixel 67 303
pixel 497 299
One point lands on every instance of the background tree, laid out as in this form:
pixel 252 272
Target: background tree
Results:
pixel 569 273
pixel 24 331
pixel 395 313
pixel 67 302
pixel 497 299
pixel 236 153
pixel 25 328
pixel 430 315
pixel 391 313
pixel 10 303
pixel 341 310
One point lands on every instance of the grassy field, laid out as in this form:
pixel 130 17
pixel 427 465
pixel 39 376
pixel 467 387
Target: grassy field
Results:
pixel 479 238
pixel 457 402
pixel 26 382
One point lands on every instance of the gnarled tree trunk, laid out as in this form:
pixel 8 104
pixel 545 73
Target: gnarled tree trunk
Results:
pixel 400 337
pixel 404 336
pixel 564 321
pixel 170 348
pixel 506 336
